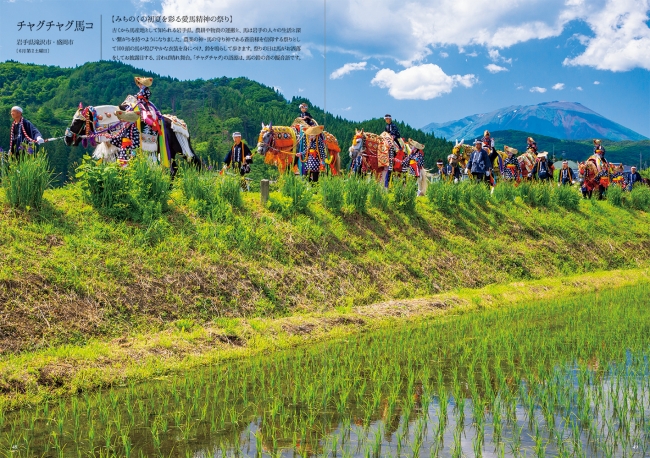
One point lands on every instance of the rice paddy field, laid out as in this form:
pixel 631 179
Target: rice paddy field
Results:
pixel 567 377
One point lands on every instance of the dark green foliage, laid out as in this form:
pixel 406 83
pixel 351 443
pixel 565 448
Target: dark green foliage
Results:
pixel 26 179
pixel 356 196
pixel 404 194
pixel 213 109
pixel 332 191
pixel 138 192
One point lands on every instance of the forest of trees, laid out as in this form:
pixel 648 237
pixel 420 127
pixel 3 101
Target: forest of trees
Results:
pixel 212 109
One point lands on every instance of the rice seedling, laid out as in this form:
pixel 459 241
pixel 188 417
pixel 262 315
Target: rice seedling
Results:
pixel 26 179
pixel 508 371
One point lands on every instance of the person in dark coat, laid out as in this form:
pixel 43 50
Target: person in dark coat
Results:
pixel 394 132
pixel 22 131
pixel 304 114
pixel 479 164
pixel 543 170
pixel 531 145
pixel 239 155
pixel 565 176
pixel 632 178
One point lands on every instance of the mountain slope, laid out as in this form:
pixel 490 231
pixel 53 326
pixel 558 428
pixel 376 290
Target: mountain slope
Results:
pixel 563 120
pixel 627 152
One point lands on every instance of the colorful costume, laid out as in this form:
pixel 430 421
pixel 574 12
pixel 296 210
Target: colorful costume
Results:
pixel 415 160
pixel 511 169
pixel 565 176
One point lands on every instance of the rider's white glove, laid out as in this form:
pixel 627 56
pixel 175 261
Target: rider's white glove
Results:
pixel 40 140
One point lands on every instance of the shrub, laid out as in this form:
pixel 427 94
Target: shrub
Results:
pixel 332 191
pixel 138 192
pixel 357 190
pixel 378 195
pixel 297 190
pixel 404 194
pixel 568 198
pixel 640 198
pixel 106 187
pixel 26 180
pixel 615 195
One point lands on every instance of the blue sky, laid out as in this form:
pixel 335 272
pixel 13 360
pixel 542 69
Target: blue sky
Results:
pixel 421 61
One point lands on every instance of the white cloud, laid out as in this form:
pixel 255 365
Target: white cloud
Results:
pixel 301 89
pixel 422 82
pixel 621 38
pixel 596 82
pixel 346 109
pixel 520 88
pixel 472 54
pixel 618 40
pixel 493 68
pixel 444 55
pixel 497 57
pixel 347 68
pixel 538 89
pixel 558 86
pixel 579 88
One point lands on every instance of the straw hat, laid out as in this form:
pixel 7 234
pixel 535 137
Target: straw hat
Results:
pixel 415 144
pixel 314 130
pixel 542 154
pixel 142 80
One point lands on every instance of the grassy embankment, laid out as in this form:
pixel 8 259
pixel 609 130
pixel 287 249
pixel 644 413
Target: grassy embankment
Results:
pixel 88 300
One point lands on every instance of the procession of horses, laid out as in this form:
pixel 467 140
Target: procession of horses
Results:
pixel 304 148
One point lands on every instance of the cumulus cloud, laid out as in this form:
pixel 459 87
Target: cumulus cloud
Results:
pixel 444 55
pixel 596 82
pixel 621 38
pixel 538 89
pixel 347 68
pixel 558 86
pixel 421 82
pixel 493 68
pixel 579 88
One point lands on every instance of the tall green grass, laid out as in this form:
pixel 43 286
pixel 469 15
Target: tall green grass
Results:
pixel 357 190
pixel 332 191
pixel 138 192
pixel 26 179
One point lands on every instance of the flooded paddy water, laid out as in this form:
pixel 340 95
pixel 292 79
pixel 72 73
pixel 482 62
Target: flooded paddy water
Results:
pixel 569 377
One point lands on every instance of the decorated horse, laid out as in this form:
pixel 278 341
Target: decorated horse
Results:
pixel 370 153
pixel 527 162
pixel 331 144
pixel 595 174
pixel 462 152
pixel 280 144
pixel 113 130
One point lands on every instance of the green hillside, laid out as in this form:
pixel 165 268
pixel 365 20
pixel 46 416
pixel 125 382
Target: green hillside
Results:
pixel 626 152
pixel 213 109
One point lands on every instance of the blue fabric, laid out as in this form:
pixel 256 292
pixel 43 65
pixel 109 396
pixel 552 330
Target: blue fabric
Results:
pixel 19 137
pixel 479 162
